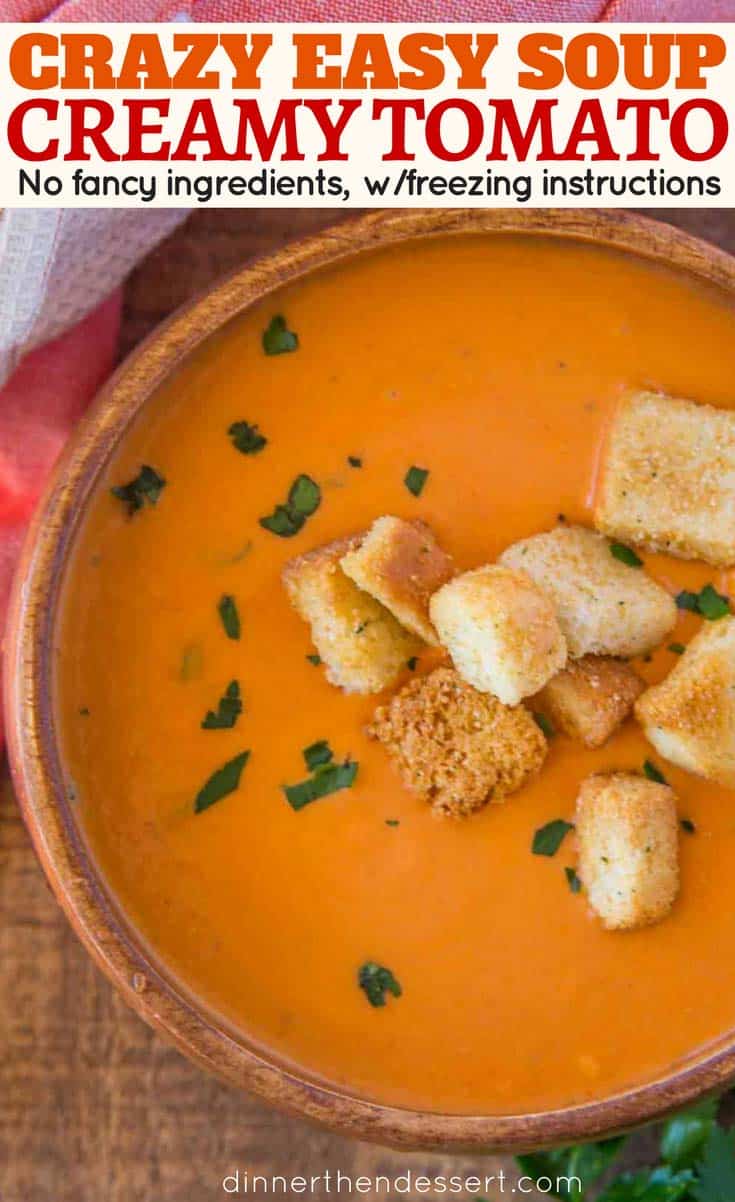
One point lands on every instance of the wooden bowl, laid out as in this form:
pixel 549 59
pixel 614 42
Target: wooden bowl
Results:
pixel 34 752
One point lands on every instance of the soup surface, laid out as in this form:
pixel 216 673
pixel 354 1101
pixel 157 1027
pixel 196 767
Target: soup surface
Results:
pixel 495 363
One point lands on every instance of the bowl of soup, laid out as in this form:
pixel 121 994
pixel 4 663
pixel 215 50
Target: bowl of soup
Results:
pixel 284 697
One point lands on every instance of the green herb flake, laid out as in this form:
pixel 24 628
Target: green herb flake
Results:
pixel 83 711
pixel 326 779
pixel 392 822
pixel 314 659
pixel 376 981
pixel 707 602
pixel 282 522
pixel 573 880
pixel 246 438
pixel 544 724
pixel 227 610
pixel 415 479
pixel 304 498
pixel 412 662
pixel 146 487
pixel 687 600
pixel 548 839
pixel 278 339
pixel 354 460
pixel 653 773
pixel 317 753
pixel 677 648
pixel 713 605
pixel 626 555
pixel 688 826
pixel 228 710
pixel 221 783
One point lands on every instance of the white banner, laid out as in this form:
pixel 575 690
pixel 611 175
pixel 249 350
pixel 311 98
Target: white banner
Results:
pixel 367 115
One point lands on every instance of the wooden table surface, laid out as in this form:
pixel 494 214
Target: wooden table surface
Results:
pixel 93 1106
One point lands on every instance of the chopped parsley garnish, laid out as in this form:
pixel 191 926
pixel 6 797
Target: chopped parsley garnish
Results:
pixel 325 779
pixel 83 711
pixel 573 880
pixel 246 438
pixel 228 710
pixel 653 773
pixel 317 753
pixel 326 776
pixel 626 555
pixel 304 495
pixel 412 662
pixel 707 602
pixel 677 648
pixel 227 610
pixel 314 659
pixel 278 339
pixel 687 825
pixel 415 479
pixel 392 822
pixel 146 487
pixel 282 522
pixel 304 498
pixel 375 981
pixel 544 724
pixel 548 839
pixel 221 783
pixel 687 600
pixel 354 460
pixel 713 605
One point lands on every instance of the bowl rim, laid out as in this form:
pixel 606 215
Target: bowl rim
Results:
pixel 34 756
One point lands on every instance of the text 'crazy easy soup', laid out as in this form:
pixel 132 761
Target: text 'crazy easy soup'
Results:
pixel 267 848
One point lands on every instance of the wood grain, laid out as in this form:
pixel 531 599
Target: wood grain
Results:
pixel 93 1105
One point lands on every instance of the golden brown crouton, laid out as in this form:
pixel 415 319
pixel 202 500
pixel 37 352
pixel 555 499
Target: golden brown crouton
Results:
pixel 668 478
pixel 362 645
pixel 589 698
pixel 455 747
pixel 401 564
pixel 500 630
pixel 627 834
pixel 690 716
pixel 604 607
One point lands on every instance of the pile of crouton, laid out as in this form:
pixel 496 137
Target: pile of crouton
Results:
pixel 551 624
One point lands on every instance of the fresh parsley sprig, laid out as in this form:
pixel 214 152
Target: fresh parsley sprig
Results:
pixel 696 1164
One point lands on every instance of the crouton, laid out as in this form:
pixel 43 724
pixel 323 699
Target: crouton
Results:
pixel 589 698
pixel 604 607
pixel 668 478
pixel 690 716
pixel 401 564
pixel 457 748
pixel 362 645
pixel 500 630
pixel 627 835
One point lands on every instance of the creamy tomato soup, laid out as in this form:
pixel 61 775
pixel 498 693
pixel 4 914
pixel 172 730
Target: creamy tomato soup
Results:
pixel 494 363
